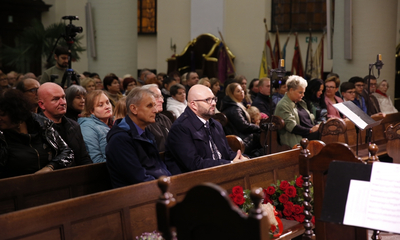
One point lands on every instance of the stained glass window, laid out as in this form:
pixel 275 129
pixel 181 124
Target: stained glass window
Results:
pixel 298 15
pixel 147 16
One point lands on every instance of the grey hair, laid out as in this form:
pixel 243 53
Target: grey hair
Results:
pixel 72 92
pixel 295 81
pixel 136 95
pixel 148 86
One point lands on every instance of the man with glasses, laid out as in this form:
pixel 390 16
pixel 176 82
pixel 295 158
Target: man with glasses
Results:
pixel 373 104
pixel 359 100
pixel 162 124
pixel 196 140
pixel 29 87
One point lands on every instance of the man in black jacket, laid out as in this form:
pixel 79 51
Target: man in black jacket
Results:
pixel 197 141
pixel 54 106
pixel 263 100
pixel 162 125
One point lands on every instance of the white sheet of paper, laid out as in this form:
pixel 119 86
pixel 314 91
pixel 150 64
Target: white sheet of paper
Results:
pixel 356 205
pixel 383 212
pixel 375 204
pixel 351 115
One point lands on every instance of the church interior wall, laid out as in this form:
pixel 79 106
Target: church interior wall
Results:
pixel 244 32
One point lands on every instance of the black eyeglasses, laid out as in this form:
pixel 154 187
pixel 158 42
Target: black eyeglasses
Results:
pixel 208 100
pixel 32 90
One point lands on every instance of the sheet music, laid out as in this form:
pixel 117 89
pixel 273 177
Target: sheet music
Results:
pixel 376 204
pixel 356 205
pixel 351 115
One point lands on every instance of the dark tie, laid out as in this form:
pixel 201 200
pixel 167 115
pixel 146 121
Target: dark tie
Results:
pixel 214 150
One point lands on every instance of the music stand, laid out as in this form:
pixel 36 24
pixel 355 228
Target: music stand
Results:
pixel 360 119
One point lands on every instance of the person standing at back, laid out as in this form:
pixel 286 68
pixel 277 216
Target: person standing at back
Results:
pixel 61 56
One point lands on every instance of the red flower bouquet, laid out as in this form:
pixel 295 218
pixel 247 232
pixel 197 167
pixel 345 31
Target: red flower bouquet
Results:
pixel 288 198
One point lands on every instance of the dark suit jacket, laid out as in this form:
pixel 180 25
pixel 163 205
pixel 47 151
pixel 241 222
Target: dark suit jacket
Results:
pixel 264 104
pixel 187 147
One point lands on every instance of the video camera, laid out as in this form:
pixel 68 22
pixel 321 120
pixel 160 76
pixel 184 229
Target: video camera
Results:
pixel 71 30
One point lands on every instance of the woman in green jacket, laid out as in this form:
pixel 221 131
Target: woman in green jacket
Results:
pixel 299 122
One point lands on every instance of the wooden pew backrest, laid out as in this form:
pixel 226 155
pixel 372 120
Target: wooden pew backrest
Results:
pixel 39 189
pixel 318 166
pixel 207 212
pixel 128 212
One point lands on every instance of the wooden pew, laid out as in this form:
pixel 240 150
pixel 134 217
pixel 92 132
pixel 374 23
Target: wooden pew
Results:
pixel 38 189
pixel 270 128
pixel 207 212
pixel 128 212
pixel 318 166
pixel 392 134
pixel 349 136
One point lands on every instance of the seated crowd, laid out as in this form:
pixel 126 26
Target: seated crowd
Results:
pixel 121 121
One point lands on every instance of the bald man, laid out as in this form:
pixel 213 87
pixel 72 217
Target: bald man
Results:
pixel 54 106
pixel 197 141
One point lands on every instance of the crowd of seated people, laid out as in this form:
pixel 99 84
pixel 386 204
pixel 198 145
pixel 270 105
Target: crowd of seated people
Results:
pixel 120 121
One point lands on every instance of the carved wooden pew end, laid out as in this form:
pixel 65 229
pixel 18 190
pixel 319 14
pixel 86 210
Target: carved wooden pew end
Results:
pixel 207 212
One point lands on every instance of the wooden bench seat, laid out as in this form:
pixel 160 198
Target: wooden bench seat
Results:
pixel 128 212
pixel 38 189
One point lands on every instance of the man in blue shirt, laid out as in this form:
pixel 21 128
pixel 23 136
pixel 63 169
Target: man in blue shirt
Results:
pixel 132 153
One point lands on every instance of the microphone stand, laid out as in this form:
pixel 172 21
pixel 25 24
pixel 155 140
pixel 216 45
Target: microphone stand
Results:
pixel 280 73
pixel 378 64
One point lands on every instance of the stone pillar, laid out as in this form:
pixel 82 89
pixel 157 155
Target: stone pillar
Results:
pixel 115 24
pixel 374 32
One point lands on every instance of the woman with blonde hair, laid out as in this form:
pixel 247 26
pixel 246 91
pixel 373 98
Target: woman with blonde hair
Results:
pixel 120 110
pixel 89 84
pixel 95 123
pixel 243 83
pixel 239 121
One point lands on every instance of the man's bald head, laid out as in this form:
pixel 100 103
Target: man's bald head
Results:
pixel 198 98
pixel 52 101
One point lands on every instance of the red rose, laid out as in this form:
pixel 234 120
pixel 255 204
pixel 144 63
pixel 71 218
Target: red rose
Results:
pixel 284 185
pixel 297 209
pixel 279 215
pixel 291 191
pixel 267 199
pixel 287 212
pixel 237 190
pixel 300 218
pixel 299 181
pixel 288 205
pixel 283 198
pixel 313 220
pixel 239 199
pixel 270 190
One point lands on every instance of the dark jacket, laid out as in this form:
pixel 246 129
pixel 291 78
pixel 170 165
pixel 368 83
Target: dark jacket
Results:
pixel 188 147
pixel 237 121
pixel 160 130
pixel 132 158
pixel 373 104
pixel 70 131
pixel 40 139
pixel 264 104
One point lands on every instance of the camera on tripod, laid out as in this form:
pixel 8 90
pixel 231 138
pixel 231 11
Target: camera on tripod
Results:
pixel 70 29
